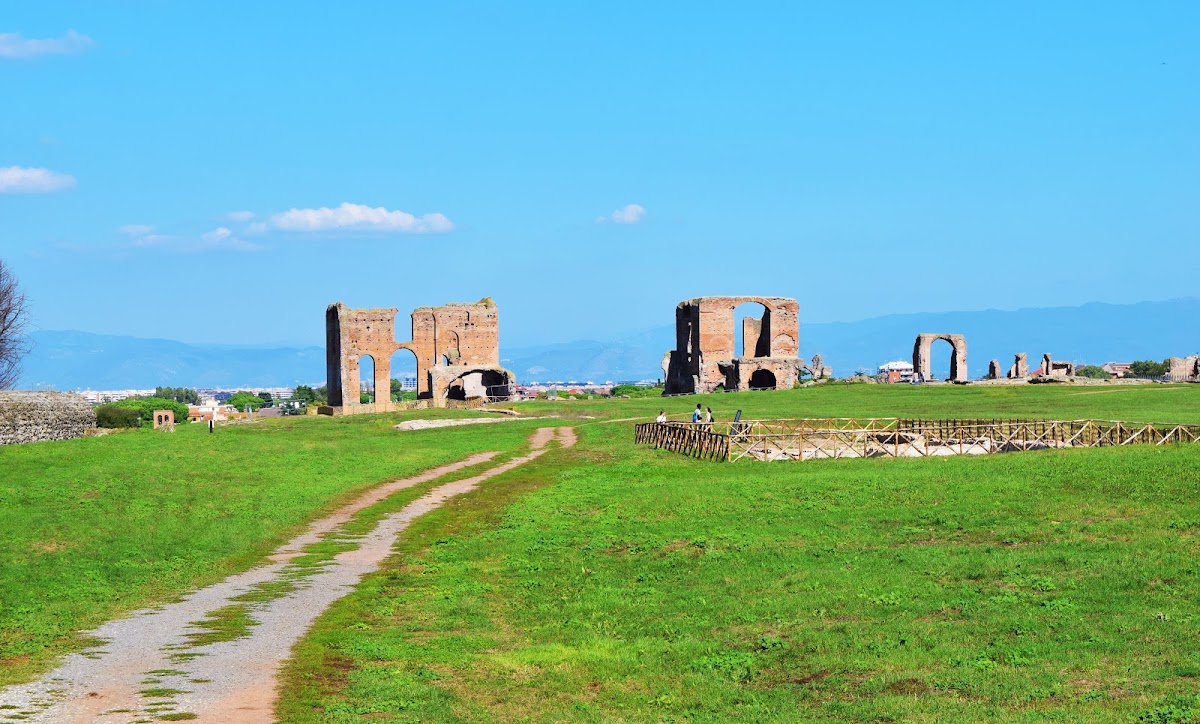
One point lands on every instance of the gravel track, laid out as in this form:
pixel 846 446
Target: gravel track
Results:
pixel 151 664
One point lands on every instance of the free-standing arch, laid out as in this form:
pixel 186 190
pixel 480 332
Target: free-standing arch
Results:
pixel 958 358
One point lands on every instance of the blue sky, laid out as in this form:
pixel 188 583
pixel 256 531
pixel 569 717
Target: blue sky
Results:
pixel 220 172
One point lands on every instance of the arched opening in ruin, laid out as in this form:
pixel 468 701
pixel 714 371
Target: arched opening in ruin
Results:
pixel 941 359
pixel 751 330
pixel 366 379
pixel 404 383
pixel 451 348
pixel 762 380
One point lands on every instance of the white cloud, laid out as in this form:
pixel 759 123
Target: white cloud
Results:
pixel 628 214
pixel 12 45
pixel 220 238
pixel 240 215
pixel 18 180
pixel 358 216
pixel 223 238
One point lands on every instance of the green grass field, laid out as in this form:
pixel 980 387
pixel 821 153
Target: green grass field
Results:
pixel 93 528
pixel 611 582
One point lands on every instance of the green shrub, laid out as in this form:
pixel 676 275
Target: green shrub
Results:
pixel 1094 372
pixel 636 391
pixel 1148 368
pixel 145 407
pixel 112 416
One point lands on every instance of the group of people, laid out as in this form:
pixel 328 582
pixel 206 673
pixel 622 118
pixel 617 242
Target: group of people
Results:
pixel 698 415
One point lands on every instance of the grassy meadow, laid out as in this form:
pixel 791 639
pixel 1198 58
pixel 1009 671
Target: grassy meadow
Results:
pixel 93 528
pixel 612 582
pixel 609 582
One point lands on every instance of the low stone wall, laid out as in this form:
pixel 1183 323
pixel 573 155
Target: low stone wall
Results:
pixel 41 416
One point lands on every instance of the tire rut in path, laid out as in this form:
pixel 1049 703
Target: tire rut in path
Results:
pixel 152 664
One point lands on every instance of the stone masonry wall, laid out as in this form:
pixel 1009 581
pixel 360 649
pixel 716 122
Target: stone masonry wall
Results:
pixel 42 416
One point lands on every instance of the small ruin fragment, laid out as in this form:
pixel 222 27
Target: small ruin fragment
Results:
pixel 704 359
pixel 958 357
pixel 456 347
pixel 819 370
pixel 164 420
pixel 1183 369
pixel 1062 370
pixel 1020 367
pixel 994 370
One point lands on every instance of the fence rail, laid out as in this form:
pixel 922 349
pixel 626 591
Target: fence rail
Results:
pixel 695 439
pixel 809 439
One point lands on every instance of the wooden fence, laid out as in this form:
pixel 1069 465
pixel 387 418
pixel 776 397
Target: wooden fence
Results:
pixel 808 439
pixel 695 439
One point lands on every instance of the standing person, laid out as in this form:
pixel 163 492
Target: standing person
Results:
pixel 662 417
pixel 708 418
pixel 696 413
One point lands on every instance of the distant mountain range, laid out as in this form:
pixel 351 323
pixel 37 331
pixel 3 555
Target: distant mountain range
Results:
pixel 1091 333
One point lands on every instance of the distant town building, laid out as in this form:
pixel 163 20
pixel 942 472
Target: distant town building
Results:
pixel 896 372
pixel 99 397
pixel 1117 369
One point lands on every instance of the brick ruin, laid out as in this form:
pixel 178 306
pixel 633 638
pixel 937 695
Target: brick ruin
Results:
pixel 704 359
pixel 1020 367
pixel 1182 369
pixel 1050 368
pixel 456 346
pixel 958 356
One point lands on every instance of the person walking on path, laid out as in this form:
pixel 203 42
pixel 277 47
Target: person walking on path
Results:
pixel 696 413
pixel 662 417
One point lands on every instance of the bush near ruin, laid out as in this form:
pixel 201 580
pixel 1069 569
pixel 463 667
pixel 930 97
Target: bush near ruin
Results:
pixel 112 417
pixel 145 407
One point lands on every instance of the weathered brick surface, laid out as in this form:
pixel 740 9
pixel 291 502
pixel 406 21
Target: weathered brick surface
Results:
pixel 1184 368
pixel 462 338
pixel 42 416
pixel 704 357
pixel 1020 367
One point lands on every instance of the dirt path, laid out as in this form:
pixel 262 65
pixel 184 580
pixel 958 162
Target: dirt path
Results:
pixel 216 652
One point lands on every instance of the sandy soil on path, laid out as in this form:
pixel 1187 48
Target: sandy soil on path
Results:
pixel 151 664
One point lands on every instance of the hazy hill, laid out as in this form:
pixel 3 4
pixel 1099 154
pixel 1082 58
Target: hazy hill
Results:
pixel 1091 333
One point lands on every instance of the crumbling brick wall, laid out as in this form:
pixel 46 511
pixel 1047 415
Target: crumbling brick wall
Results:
pixel 463 337
pixel 704 357
pixel 42 416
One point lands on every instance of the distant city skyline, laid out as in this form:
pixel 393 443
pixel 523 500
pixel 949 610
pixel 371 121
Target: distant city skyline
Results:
pixel 221 174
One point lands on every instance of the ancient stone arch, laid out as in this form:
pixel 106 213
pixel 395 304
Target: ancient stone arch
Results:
pixel 704 357
pixel 958 358
pixel 451 340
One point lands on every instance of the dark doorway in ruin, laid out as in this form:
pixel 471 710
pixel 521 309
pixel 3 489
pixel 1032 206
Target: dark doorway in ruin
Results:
pixel 751 330
pixel 762 380
pixel 495 385
pixel 456 391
